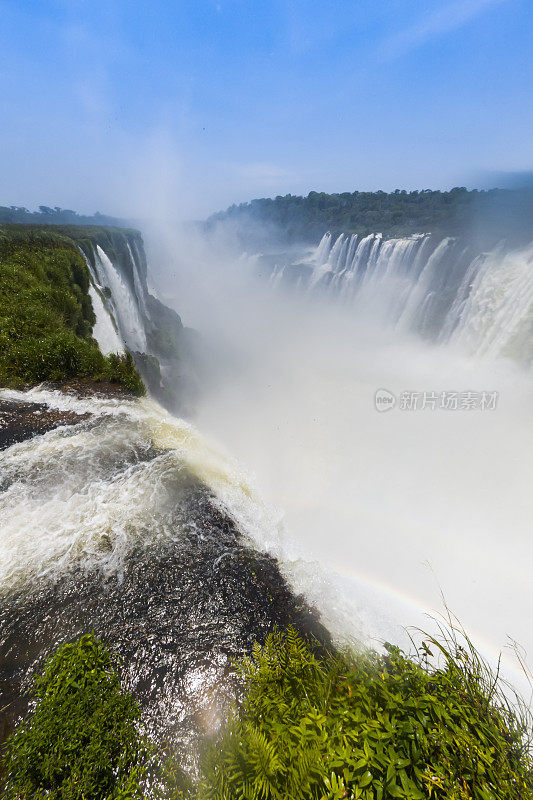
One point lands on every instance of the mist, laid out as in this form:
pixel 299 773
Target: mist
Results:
pixel 382 516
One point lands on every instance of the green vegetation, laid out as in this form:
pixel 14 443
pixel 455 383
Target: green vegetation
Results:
pixel 46 314
pixel 498 212
pixel 121 368
pixel 81 740
pixel 371 727
pixel 53 216
pixel 309 727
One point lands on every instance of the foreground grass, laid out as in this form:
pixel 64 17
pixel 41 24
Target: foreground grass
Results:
pixel 46 315
pixel 309 727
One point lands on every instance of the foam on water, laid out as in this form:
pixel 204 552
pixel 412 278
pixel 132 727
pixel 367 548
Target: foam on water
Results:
pixel 87 495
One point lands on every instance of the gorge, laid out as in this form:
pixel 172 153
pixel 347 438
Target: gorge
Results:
pixel 134 521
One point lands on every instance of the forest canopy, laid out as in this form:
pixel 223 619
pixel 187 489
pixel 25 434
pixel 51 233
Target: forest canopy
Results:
pixel 399 213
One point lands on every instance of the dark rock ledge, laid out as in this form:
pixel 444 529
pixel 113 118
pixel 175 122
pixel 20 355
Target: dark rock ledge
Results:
pixel 21 420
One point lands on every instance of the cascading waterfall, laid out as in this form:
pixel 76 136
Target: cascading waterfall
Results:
pixel 494 313
pixel 440 289
pixel 130 317
pixel 125 303
pixel 104 330
pixel 140 294
pixel 133 524
pixel 324 248
pixel 422 286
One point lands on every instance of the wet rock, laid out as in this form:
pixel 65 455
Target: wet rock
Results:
pixel 21 421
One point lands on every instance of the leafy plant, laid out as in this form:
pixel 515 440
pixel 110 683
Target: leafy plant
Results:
pixel 310 727
pixel 121 368
pixel 81 741
pixel 370 726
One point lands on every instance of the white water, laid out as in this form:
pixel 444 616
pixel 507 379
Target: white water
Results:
pixel 373 498
pixel 139 292
pixel 104 331
pixel 74 498
pixel 125 303
pixel 482 303
pixel 496 315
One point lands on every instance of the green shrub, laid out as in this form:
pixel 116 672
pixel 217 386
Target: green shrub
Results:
pixel 372 727
pixel 121 368
pixel 369 726
pixel 57 356
pixel 81 741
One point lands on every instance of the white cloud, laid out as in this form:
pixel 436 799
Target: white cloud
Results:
pixel 444 20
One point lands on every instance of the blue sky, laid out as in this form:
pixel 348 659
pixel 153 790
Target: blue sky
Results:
pixel 124 106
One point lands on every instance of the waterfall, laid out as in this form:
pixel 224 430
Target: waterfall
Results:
pixel 421 287
pixel 130 317
pixel 361 254
pixel 125 303
pixel 341 256
pixel 140 294
pixel 335 253
pixel 351 250
pixel 133 524
pixel 495 317
pixel 329 264
pixel 104 330
pixel 323 249
pixel 437 288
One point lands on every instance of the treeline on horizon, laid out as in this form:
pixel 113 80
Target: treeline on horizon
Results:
pixel 56 216
pixel 493 212
pixel 488 215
